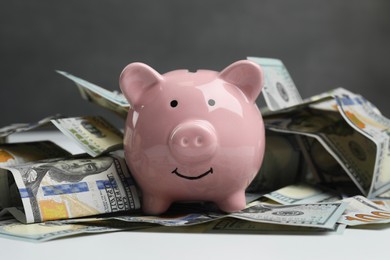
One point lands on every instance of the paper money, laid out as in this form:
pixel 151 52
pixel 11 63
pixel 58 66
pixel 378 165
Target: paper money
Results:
pixel 41 232
pixel 362 211
pixel 319 215
pixel 279 89
pixel 18 153
pixel 238 226
pixel 350 129
pixel 352 150
pixel 365 119
pixel 93 134
pixel 302 193
pixel 70 188
pixel 113 101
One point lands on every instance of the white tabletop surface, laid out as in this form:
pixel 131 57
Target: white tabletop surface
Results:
pixel 351 244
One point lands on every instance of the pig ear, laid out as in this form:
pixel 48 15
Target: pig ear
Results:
pixel 135 79
pixel 246 75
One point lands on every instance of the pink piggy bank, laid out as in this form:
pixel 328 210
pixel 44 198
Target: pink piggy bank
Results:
pixel 193 136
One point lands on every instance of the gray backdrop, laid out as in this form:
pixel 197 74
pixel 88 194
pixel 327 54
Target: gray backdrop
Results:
pixel 324 45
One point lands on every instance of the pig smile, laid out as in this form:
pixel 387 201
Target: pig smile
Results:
pixel 210 171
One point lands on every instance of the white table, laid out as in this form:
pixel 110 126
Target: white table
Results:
pixel 370 243
pixel 353 244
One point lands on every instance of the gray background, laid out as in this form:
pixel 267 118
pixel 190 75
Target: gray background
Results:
pixel 324 45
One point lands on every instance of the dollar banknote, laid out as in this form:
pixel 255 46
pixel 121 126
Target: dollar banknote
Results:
pixel 318 215
pixel 321 215
pixel 361 211
pixel 111 100
pixel 93 134
pixel 19 153
pixel 41 232
pixel 366 119
pixel 238 226
pixel 352 150
pixel 65 188
pixel 279 89
pixel 46 231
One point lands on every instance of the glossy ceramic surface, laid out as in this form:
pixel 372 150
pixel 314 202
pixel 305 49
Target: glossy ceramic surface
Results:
pixel 193 136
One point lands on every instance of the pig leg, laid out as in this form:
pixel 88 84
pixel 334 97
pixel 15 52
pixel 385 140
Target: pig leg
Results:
pixel 233 203
pixel 154 204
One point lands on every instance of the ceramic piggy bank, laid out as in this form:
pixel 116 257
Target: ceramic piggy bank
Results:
pixel 193 136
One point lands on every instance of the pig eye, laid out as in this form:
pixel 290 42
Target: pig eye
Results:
pixel 174 103
pixel 211 102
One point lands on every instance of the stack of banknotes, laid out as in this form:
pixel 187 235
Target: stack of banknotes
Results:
pixel 326 167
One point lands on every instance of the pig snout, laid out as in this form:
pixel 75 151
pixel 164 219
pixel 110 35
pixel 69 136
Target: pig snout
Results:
pixel 193 141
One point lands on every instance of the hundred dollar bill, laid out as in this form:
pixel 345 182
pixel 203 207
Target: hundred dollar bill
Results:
pixel 69 188
pixel 41 232
pixel 93 134
pixel 320 215
pixel 361 211
pixel 302 193
pixel 365 119
pixel 23 127
pixel 238 226
pixel 279 89
pixel 353 151
pixel 113 101
pixel 18 153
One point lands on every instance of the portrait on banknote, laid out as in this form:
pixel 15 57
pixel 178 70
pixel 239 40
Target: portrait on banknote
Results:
pixel 70 171
pixel 73 187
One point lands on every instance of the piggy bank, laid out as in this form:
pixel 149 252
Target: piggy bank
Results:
pixel 193 136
